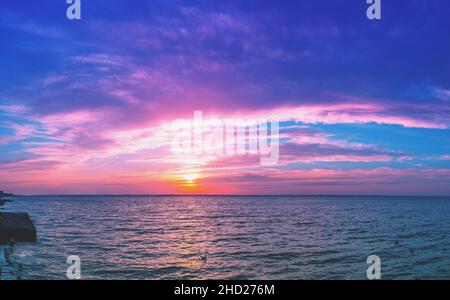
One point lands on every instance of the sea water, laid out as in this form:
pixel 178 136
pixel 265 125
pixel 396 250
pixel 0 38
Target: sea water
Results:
pixel 236 237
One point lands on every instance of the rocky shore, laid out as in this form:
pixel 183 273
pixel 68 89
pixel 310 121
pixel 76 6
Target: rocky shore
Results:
pixel 4 201
pixel 3 194
pixel 14 227
pixel 17 227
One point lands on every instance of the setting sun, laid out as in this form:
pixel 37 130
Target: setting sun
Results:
pixel 190 177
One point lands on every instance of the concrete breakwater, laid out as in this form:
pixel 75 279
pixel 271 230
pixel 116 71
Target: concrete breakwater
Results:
pixel 17 227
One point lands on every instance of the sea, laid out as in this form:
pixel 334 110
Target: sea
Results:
pixel 235 237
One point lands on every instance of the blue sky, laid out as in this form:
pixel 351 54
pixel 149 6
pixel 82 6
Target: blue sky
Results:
pixel 376 94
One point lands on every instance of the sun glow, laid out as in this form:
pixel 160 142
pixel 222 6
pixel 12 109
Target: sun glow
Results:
pixel 190 178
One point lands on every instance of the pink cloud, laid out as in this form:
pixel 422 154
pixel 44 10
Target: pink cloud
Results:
pixel 14 109
pixel 347 113
pixel 443 94
pixel 320 181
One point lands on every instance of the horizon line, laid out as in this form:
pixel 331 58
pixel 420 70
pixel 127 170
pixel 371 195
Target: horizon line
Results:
pixel 224 195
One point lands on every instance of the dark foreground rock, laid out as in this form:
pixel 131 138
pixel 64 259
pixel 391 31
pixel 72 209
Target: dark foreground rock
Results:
pixel 2 193
pixel 18 226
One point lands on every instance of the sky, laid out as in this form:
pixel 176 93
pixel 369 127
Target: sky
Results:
pixel 86 105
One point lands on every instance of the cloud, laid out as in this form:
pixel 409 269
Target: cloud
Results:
pixel 95 111
pixel 443 94
pixel 25 25
pixel 379 181
pixel 14 108
pixel 310 153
